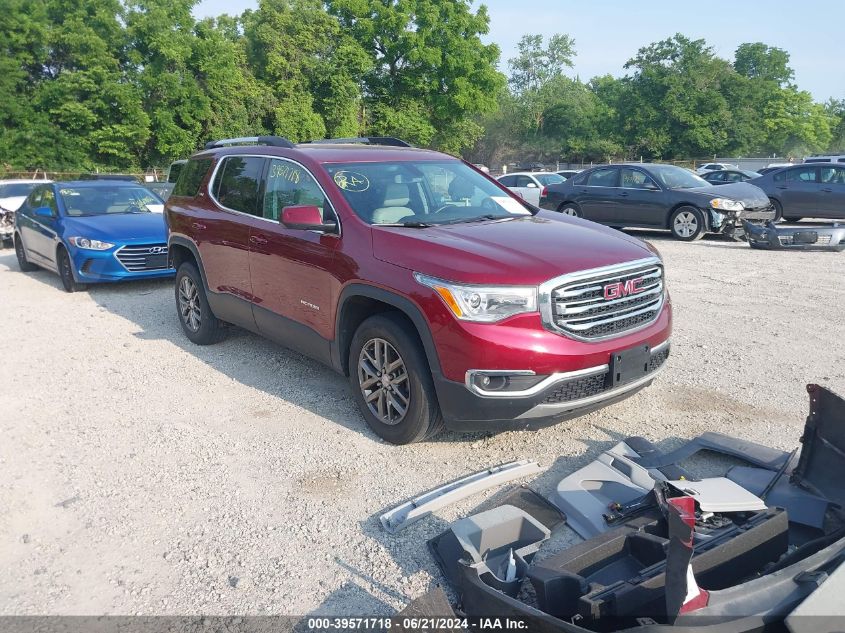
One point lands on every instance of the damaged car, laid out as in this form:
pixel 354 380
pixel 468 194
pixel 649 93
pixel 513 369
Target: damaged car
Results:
pixel 657 196
pixel 770 236
pixel 756 548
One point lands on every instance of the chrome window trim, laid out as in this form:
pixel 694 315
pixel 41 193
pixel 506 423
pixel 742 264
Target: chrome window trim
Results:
pixel 545 302
pixel 548 382
pixel 222 159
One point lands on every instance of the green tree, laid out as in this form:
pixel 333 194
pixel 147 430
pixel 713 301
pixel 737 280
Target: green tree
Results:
pixel 759 61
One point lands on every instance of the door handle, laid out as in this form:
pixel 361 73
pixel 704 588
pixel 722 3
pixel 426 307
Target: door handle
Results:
pixel 827 190
pixel 258 239
pixel 781 187
pixel 624 194
pixel 198 226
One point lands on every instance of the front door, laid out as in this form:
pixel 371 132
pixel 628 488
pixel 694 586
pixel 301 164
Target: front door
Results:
pixel 38 233
pixel 291 270
pixel 640 199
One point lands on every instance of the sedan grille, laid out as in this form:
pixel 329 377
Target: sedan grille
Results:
pixel 139 257
pixel 608 303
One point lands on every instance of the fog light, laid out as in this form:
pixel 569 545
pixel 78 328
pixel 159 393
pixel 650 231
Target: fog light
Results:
pixel 501 381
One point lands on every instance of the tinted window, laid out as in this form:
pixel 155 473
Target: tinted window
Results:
pixel 550 179
pixel 190 177
pixel 525 181
pixel 579 179
pixel 175 170
pixel 734 177
pixel 508 181
pixel 715 177
pixel 16 189
pixel 801 174
pixel 288 184
pixel 635 179
pixel 33 201
pixel 237 182
pixel 602 178
pixel 832 175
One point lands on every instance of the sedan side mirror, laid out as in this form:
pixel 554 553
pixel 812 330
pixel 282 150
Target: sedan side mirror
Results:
pixel 531 185
pixel 305 218
pixel 651 186
pixel 43 212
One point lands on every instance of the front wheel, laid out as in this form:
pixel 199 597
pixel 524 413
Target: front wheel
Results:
pixel 687 224
pixel 570 209
pixel 391 381
pixel 195 315
pixel 778 207
pixel 66 272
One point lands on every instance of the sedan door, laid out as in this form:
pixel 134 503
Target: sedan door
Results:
pixel 832 199
pixel 528 187
pixel 599 196
pixel 798 190
pixel 38 233
pixel 640 201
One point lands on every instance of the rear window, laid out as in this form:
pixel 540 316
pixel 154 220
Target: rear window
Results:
pixel 175 170
pixel 191 177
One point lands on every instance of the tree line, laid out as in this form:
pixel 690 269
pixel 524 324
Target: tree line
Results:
pixel 128 84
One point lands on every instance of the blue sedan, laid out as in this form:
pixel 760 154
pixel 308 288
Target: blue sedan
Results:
pixel 92 231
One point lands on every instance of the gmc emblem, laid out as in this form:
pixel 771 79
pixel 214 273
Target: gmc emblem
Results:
pixel 623 289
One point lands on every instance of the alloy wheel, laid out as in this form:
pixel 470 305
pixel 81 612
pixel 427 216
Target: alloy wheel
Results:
pixel 189 304
pixel 570 211
pixel 685 224
pixel 383 379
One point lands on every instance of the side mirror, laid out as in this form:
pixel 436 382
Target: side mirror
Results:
pixel 43 212
pixel 531 185
pixel 651 186
pixel 305 218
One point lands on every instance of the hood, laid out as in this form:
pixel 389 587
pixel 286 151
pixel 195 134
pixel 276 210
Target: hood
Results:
pixel 521 251
pixel 119 227
pixel 12 203
pixel 750 195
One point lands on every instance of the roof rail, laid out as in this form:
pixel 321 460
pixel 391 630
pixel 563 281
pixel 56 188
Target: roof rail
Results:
pixel 363 140
pixel 275 141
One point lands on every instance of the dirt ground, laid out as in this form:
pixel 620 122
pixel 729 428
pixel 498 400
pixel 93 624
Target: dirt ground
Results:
pixel 140 474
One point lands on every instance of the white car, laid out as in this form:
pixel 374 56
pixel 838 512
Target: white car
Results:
pixel 714 167
pixel 14 192
pixel 530 185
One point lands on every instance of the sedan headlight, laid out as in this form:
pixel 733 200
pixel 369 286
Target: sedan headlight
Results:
pixel 725 204
pixel 89 244
pixel 484 304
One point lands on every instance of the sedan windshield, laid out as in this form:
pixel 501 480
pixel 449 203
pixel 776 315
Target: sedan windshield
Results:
pixel 673 177
pixel 17 189
pixel 422 193
pixel 108 200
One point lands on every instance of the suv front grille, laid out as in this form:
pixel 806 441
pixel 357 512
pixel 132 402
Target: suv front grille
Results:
pixel 606 304
pixel 139 257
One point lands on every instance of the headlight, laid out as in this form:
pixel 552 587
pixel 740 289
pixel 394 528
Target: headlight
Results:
pixel 89 244
pixel 485 304
pixel 726 205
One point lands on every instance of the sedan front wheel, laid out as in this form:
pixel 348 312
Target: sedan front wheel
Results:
pixel 687 224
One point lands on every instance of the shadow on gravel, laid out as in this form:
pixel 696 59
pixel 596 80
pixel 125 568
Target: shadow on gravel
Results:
pixel 243 356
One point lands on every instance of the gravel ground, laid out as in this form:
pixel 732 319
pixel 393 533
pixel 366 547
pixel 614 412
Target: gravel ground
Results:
pixel 142 475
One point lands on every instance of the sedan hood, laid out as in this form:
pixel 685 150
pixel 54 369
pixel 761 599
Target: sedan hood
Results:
pixel 521 251
pixel 140 228
pixel 750 195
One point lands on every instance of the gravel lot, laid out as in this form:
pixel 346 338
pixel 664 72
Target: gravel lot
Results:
pixel 141 474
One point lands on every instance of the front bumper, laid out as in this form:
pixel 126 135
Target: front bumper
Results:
pixel 804 237
pixel 103 267
pixel 559 397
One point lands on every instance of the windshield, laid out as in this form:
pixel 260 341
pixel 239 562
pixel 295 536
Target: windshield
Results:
pixel 420 193
pixel 108 200
pixel 549 179
pixel 17 189
pixel 673 177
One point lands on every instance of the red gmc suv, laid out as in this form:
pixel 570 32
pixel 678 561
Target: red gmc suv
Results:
pixel 447 300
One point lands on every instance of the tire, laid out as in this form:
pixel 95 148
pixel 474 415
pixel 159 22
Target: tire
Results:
pixel 23 262
pixel 65 266
pixel 687 224
pixel 381 342
pixel 570 208
pixel 198 321
pixel 778 210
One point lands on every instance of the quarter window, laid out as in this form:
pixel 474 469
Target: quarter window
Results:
pixel 508 181
pixel 602 178
pixel 237 183
pixel 288 185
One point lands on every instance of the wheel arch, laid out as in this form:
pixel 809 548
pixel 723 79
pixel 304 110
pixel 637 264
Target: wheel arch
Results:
pixel 181 250
pixel 358 302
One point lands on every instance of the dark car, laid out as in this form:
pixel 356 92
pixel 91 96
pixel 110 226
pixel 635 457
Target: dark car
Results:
pixel 815 190
pixel 443 297
pixel 658 196
pixel 730 175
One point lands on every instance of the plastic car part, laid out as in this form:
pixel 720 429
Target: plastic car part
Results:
pixel 420 507
pixel 613 478
pixel 818 238
pixel 720 494
pixel 824 605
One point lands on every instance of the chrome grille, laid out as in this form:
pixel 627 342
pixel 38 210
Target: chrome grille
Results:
pixel 140 257
pixel 579 308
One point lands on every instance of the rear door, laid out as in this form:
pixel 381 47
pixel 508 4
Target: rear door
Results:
pixel 599 197
pixel 832 203
pixel 639 200
pixel 291 270
pixel 799 190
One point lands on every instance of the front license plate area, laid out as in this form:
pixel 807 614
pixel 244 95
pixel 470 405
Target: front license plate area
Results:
pixel 157 261
pixel 630 364
pixel 805 237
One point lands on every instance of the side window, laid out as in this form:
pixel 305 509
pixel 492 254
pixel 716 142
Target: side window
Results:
pixel 602 178
pixel 48 199
pixel 636 179
pixel 508 181
pixel 715 176
pixel 579 179
pixel 733 177
pixel 288 184
pixel 802 174
pixel 33 200
pixel 190 177
pixel 830 175
pixel 237 182
pixel 525 181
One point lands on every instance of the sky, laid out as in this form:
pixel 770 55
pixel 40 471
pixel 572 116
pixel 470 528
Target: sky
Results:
pixel 609 32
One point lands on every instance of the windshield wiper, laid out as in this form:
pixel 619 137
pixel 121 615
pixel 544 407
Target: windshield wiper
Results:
pixel 412 224
pixel 477 218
